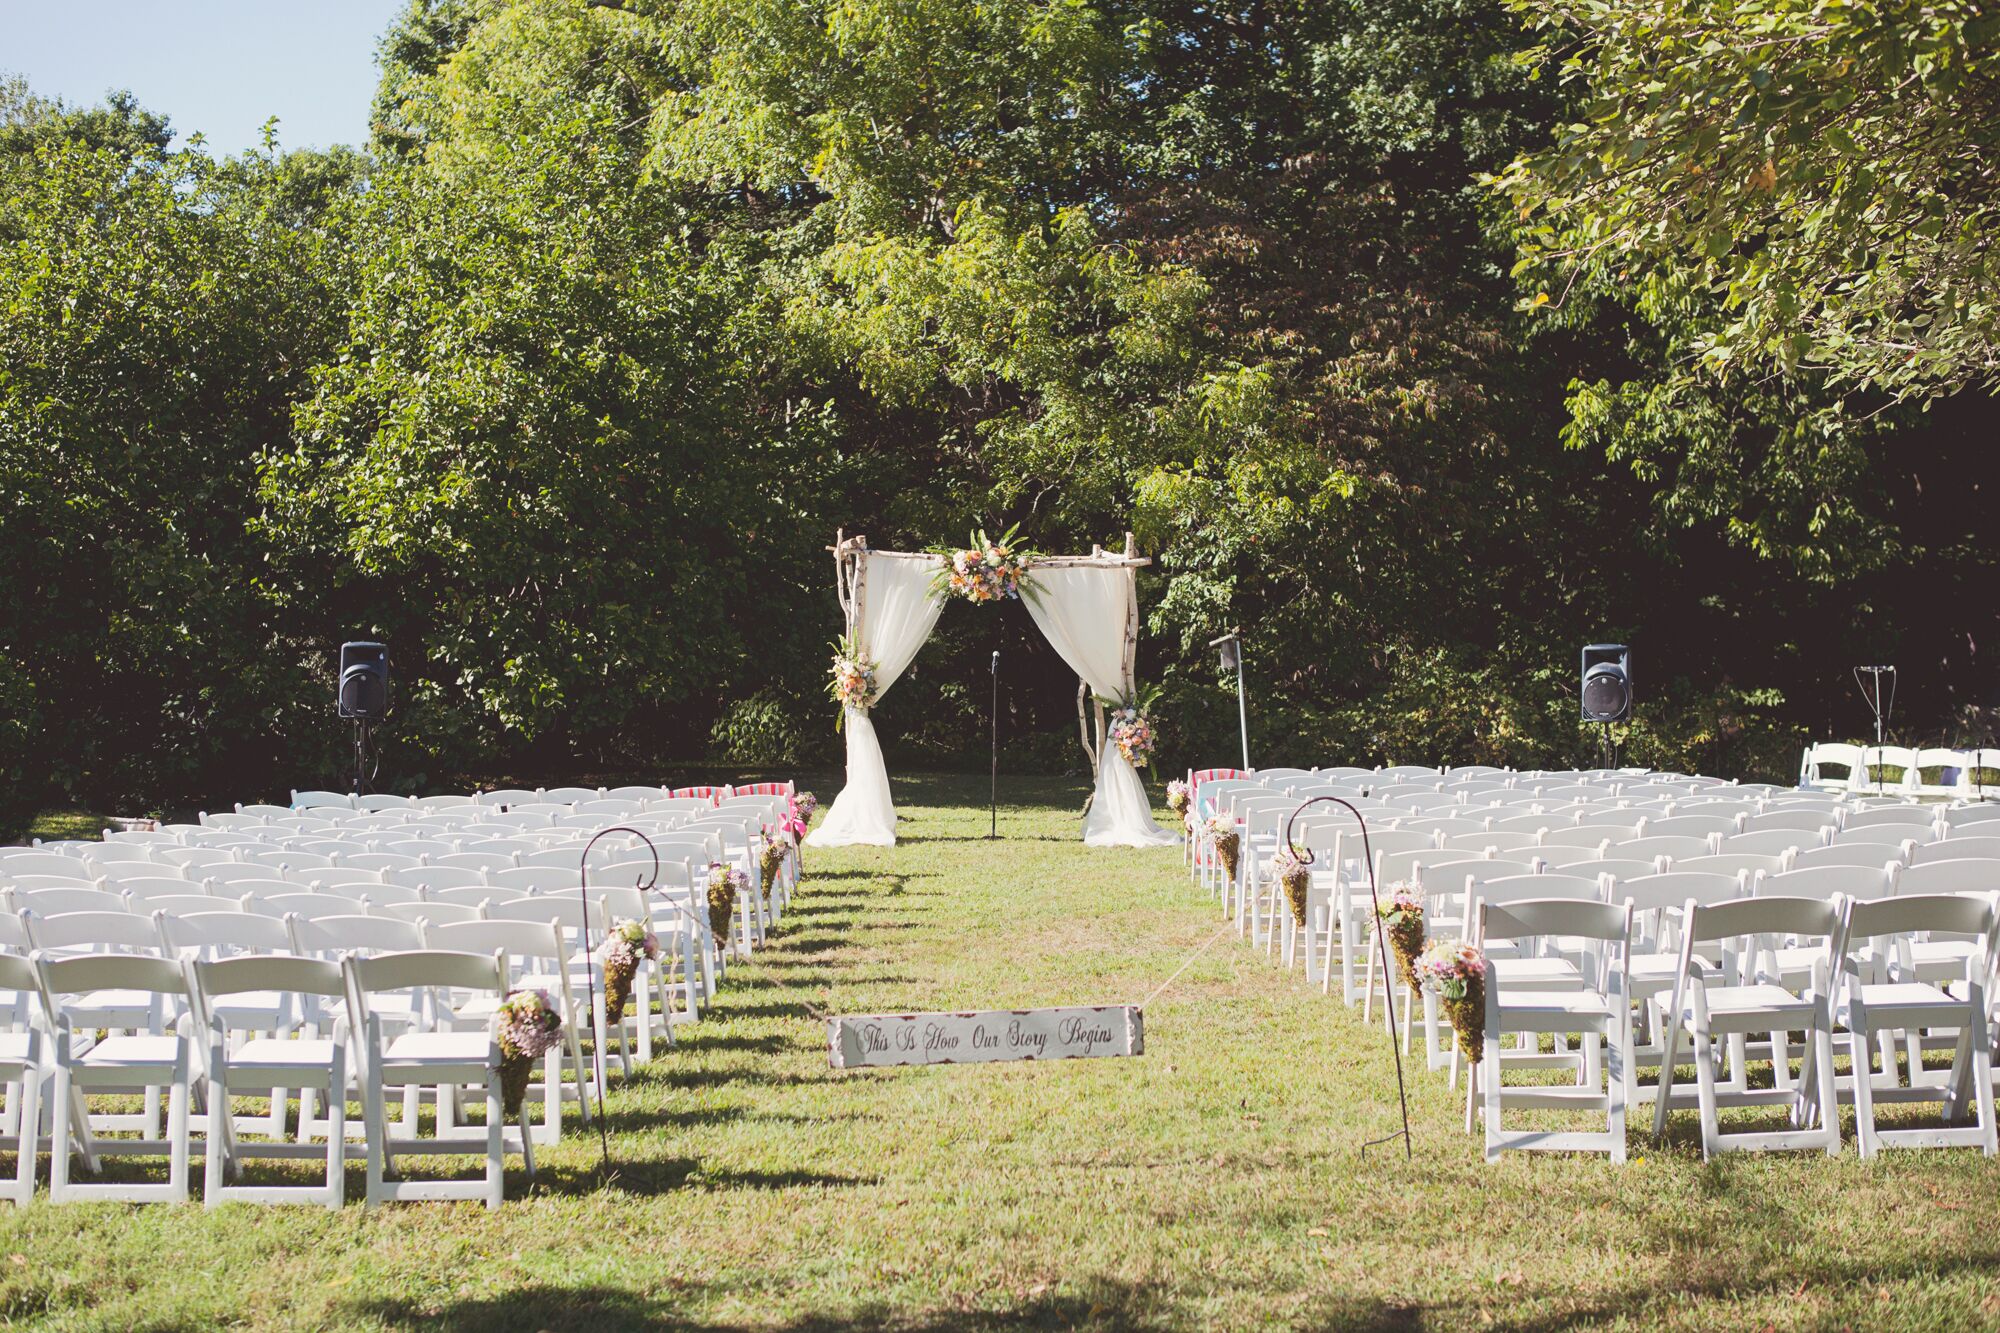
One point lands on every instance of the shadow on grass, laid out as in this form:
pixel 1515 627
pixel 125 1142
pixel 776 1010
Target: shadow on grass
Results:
pixel 1097 1304
pixel 642 1179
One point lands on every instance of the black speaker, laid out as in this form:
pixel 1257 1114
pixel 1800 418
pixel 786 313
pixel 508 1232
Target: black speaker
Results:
pixel 364 681
pixel 1607 682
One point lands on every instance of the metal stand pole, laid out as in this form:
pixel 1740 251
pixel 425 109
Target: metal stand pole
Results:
pixel 1381 944
pixel 361 756
pixel 1242 709
pixel 993 811
pixel 600 1058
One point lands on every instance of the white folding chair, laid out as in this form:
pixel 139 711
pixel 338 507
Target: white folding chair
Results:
pixel 1599 1012
pixel 155 1059
pixel 1873 855
pixel 312 1059
pixel 1725 992
pixel 428 1059
pixel 434 912
pixel 1878 995
pixel 24 1069
pixel 1958 847
pixel 583 928
pixel 51 902
pixel 536 960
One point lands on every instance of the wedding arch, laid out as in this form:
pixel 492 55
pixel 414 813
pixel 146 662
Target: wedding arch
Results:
pixel 1088 608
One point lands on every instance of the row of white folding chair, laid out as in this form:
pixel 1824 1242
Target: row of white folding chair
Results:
pixel 1559 998
pixel 65 925
pixel 1850 971
pixel 170 1061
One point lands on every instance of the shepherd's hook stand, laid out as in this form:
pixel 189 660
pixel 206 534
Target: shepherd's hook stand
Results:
pixel 599 1061
pixel 1381 943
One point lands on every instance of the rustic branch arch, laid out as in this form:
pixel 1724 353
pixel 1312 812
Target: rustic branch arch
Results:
pixel 1087 606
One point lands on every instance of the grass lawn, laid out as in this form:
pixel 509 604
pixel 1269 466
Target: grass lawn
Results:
pixel 1214 1182
pixel 58 824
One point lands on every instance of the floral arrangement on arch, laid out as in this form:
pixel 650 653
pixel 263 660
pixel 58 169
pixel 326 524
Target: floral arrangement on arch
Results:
pixel 853 677
pixel 986 570
pixel 1132 732
pixel 629 942
pixel 1130 727
pixel 525 1026
pixel 1456 972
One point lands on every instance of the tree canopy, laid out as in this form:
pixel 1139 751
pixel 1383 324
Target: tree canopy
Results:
pixel 562 386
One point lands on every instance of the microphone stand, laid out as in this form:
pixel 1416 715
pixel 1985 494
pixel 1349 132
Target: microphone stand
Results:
pixel 993 808
pixel 1381 943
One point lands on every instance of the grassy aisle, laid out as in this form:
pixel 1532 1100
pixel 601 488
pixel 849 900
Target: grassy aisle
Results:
pixel 1213 1182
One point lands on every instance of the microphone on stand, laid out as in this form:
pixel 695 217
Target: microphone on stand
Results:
pixel 993 830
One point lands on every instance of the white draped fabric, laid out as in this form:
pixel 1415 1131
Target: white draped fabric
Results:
pixel 1087 612
pixel 894 614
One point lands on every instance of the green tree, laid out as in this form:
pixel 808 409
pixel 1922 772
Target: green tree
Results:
pixel 156 315
pixel 1827 171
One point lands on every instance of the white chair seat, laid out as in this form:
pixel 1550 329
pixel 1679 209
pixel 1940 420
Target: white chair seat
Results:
pixel 1548 1011
pixel 270 1053
pixel 14 1049
pixel 1914 998
pixel 1537 973
pixel 437 1046
pixel 1928 955
pixel 110 1001
pixel 259 1011
pixel 1762 998
pixel 134 1053
pixel 1797 962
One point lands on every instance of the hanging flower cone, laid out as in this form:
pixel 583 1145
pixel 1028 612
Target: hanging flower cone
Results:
pixel 516 1072
pixel 1227 847
pixel 630 942
pixel 1295 876
pixel 1227 843
pixel 724 883
pixel 1456 972
pixel 1403 922
pixel 525 1026
pixel 771 860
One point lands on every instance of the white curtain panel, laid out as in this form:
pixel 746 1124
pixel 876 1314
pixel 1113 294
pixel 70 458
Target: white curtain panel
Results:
pixel 1083 611
pixel 898 611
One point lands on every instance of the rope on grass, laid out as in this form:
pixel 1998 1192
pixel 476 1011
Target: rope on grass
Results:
pixel 1221 930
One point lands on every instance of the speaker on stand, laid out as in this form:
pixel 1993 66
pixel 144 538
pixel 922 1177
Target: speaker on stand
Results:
pixel 1606 690
pixel 363 699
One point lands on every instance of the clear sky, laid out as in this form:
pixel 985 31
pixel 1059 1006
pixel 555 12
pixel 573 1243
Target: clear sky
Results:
pixel 218 66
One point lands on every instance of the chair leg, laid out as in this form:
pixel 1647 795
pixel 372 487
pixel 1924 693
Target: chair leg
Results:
pixel 1704 1073
pixel 495 1141
pixel 28 1118
pixel 62 1114
pixel 1616 1060
pixel 336 1135
pixel 1488 1078
pixel 375 1116
pixel 1982 1087
pixel 1670 1031
pixel 1864 1098
pixel 214 1167
pixel 1829 1097
pixel 177 1130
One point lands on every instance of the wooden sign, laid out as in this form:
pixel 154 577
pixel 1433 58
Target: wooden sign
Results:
pixel 875 1041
